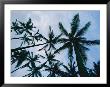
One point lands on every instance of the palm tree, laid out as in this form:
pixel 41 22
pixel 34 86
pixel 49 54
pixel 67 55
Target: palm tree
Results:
pixel 54 69
pixel 21 27
pixel 24 32
pixel 97 68
pixel 70 70
pixel 51 40
pixel 52 65
pixel 35 71
pixel 95 72
pixel 24 56
pixel 19 57
pixel 76 41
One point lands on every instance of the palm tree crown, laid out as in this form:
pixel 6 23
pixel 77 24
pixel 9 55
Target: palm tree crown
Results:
pixel 51 40
pixel 76 40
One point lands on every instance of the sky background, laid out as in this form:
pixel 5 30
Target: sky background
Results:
pixel 42 20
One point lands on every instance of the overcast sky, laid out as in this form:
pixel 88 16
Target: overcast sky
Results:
pixel 42 20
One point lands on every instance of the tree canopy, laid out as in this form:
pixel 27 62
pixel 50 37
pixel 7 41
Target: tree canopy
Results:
pixel 74 41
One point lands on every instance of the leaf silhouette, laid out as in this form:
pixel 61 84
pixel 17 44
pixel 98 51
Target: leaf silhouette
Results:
pixel 74 41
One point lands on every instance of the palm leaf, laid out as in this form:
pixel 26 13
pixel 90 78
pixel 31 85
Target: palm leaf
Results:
pixel 19 62
pixel 51 34
pixel 25 65
pixel 53 47
pixel 22 24
pixel 82 52
pixel 90 42
pixel 43 37
pixel 80 61
pixel 57 38
pixel 41 56
pixel 27 75
pixel 38 73
pixel 46 53
pixel 50 46
pixel 62 48
pixel 75 24
pixel 97 68
pixel 83 47
pixel 62 40
pixel 43 47
pixel 33 64
pixel 22 56
pixel 63 30
pixel 29 22
pixel 67 69
pixel 83 30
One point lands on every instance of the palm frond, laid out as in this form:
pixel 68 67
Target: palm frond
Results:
pixel 67 69
pixel 82 51
pixel 84 56
pixel 52 45
pixel 62 48
pixel 43 37
pixel 33 64
pixel 83 30
pixel 51 34
pixel 75 24
pixel 43 47
pixel 90 42
pixel 62 40
pixel 97 68
pixel 84 48
pixel 23 66
pixel 63 30
pixel 22 24
pixel 38 73
pixel 29 22
pixel 80 61
pixel 21 57
pixel 41 56
pixel 46 53
pixel 57 38
pixel 27 75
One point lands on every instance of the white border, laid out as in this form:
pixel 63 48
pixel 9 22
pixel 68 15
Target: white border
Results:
pixel 57 80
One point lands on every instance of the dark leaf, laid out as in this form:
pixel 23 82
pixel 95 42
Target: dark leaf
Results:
pixel 90 42
pixel 83 30
pixel 75 24
pixel 62 48
pixel 63 30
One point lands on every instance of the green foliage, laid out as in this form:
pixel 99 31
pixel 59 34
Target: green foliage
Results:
pixel 50 41
pixel 71 70
pixel 75 24
pixel 19 57
pixel 95 72
pixel 21 27
pixel 74 41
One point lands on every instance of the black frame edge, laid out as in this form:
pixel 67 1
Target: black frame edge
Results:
pixel 54 1
pixel 108 40
pixel 1 44
pixel 44 2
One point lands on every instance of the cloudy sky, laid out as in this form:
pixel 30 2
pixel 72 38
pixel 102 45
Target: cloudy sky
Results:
pixel 42 20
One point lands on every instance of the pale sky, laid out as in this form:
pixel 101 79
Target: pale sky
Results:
pixel 42 20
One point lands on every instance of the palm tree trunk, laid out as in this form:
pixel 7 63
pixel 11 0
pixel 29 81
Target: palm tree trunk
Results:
pixel 20 48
